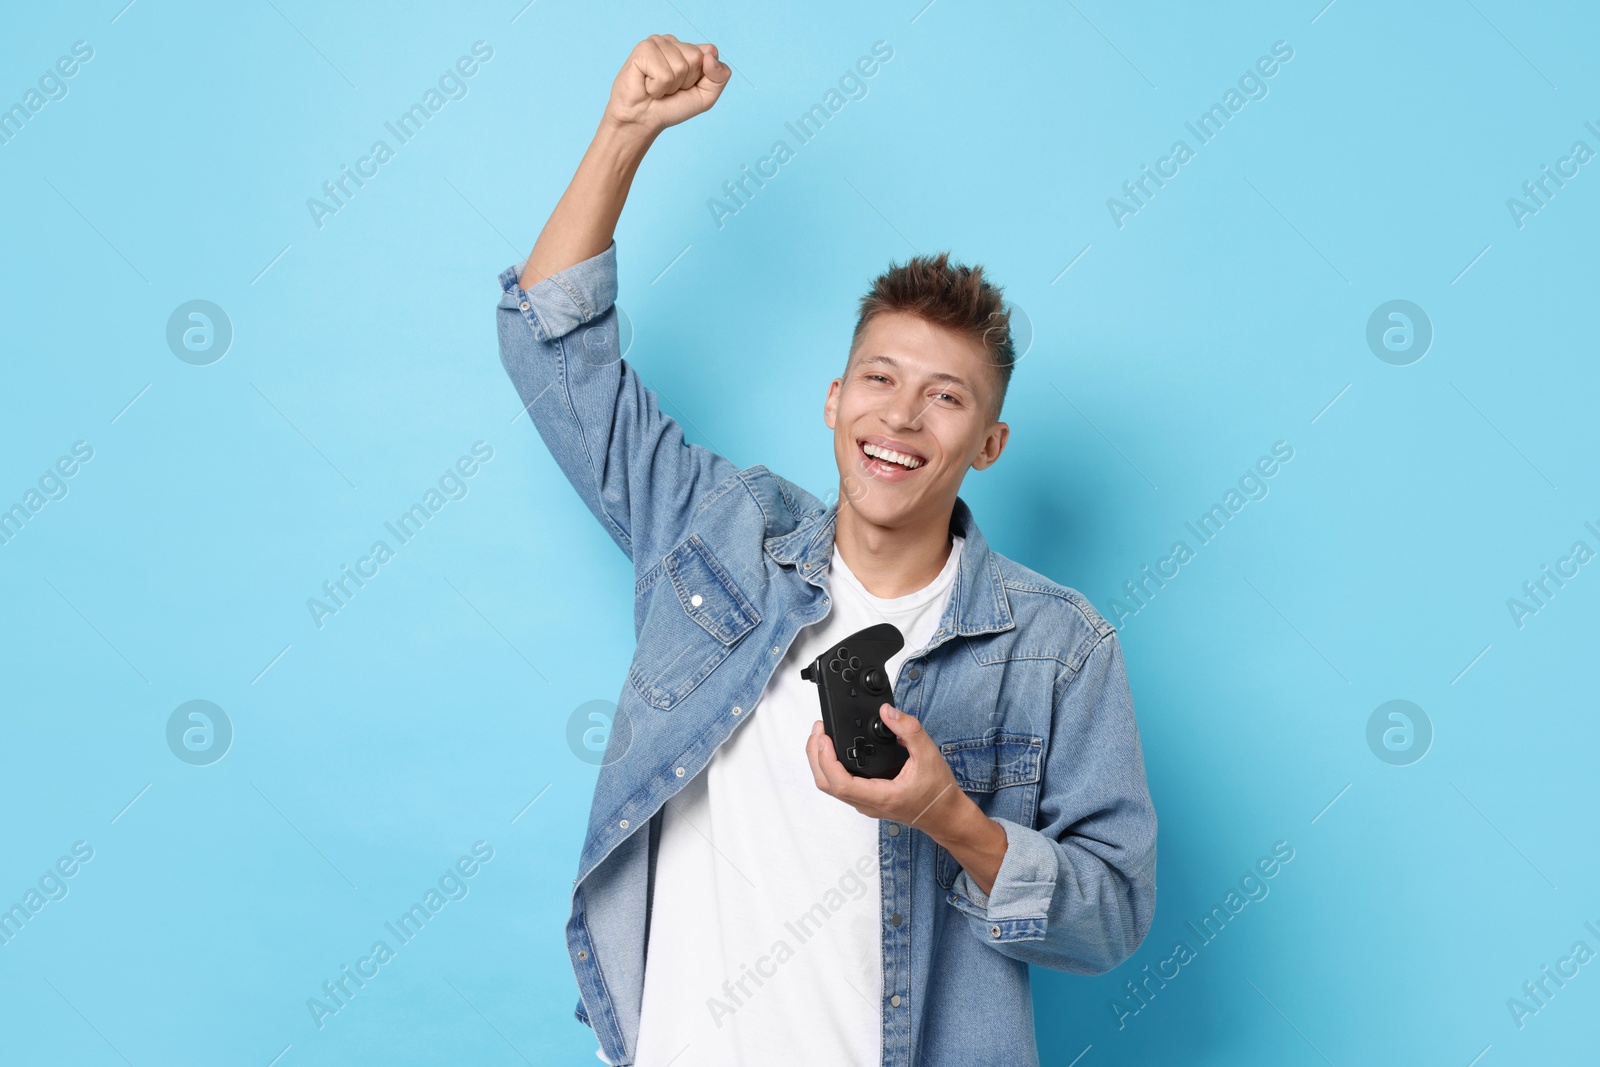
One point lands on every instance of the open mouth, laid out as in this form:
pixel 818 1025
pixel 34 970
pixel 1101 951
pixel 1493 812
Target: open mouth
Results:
pixel 883 460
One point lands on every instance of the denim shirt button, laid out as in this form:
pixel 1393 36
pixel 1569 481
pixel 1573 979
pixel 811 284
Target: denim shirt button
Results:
pixel 696 600
pixel 895 1000
pixel 679 772
pixel 994 931
pixel 914 673
pixel 583 954
pixel 894 829
pixel 524 305
pixel 894 920
pixel 623 824
pixel 737 710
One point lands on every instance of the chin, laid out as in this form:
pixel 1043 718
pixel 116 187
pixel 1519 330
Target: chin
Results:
pixel 881 512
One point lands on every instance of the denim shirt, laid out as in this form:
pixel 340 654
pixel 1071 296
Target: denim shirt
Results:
pixel 1022 686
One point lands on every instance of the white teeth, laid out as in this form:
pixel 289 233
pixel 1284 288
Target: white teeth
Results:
pixel 892 456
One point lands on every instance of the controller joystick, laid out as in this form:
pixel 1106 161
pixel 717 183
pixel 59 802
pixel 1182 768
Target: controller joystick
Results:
pixel 852 683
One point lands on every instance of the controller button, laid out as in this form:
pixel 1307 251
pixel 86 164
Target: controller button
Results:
pixel 834 665
pixel 882 730
pixel 874 680
pixel 848 675
pixel 843 653
pixel 855 661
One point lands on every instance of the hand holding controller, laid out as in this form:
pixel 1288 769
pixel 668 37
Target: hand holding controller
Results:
pixel 852 683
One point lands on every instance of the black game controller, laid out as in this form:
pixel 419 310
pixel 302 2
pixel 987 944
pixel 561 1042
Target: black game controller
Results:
pixel 853 681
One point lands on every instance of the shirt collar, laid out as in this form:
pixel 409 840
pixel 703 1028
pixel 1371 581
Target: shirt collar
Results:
pixel 978 598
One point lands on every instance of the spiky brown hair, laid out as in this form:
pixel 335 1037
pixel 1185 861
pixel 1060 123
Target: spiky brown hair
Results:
pixel 951 295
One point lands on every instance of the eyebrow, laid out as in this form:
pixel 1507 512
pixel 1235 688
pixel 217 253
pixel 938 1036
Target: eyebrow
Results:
pixel 938 376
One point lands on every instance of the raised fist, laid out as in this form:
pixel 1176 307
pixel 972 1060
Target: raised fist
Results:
pixel 666 81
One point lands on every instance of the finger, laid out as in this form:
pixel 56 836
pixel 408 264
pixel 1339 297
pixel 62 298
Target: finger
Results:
pixel 715 70
pixel 812 757
pixel 683 72
pixel 836 779
pixel 693 63
pixel 660 74
pixel 904 726
pixel 715 78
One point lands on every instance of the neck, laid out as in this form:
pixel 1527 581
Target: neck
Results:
pixel 891 561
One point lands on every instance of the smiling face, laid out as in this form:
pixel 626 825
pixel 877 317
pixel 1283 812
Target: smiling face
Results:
pixel 913 412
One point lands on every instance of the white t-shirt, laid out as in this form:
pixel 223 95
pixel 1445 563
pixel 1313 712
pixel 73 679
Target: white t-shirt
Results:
pixel 765 943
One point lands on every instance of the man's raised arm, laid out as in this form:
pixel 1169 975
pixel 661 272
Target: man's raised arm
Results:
pixel 558 330
pixel 664 82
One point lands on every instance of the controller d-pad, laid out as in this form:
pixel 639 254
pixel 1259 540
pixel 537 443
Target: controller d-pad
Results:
pixel 860 751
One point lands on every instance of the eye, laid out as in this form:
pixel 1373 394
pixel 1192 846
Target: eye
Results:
pixel 876 378
pixel 948 397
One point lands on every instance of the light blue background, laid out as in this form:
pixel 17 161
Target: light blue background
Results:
pixel 426 715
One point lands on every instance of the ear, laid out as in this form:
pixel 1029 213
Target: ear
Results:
pixel 993 445
pixel 830 406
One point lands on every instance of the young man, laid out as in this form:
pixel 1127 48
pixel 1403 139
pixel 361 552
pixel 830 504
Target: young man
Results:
pixel 742 898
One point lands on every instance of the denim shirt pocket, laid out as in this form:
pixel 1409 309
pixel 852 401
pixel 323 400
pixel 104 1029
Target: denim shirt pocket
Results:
pixel 1000 771
pixel 694 619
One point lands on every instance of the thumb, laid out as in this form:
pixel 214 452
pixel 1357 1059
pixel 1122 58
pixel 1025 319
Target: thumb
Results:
pixel 714 74
pixel 906 727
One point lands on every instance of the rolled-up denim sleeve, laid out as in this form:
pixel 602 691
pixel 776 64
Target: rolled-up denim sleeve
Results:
pixel 559 342
pixel 1077 892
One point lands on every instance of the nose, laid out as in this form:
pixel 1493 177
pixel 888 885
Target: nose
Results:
pixel 905 410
